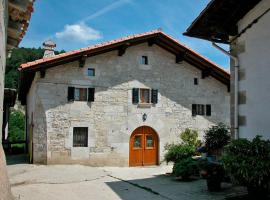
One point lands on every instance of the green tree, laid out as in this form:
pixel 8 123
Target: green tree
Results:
pixel 18 57
pixel 190 137
pixel 16 127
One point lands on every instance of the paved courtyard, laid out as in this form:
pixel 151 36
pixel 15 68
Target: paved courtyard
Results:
pixel 74 182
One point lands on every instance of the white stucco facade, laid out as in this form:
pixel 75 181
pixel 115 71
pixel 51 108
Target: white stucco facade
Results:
pixel 112 117
pixel 253 51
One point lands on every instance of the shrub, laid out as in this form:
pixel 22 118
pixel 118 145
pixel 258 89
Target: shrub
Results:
pixel 190 137
pixel 185 168
pixel 177 152
pixel 248 162
pixel 216 137
pixel 16 126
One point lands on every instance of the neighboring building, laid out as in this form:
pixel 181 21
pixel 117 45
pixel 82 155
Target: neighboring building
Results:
pixel 14 17
pixel 119 102
pixel 244 25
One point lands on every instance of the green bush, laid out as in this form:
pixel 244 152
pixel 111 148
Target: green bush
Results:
pixel 248 162
pixel 16 126
pixel 177 152
pixel 190 137
pixel 185 168
pixel 216 137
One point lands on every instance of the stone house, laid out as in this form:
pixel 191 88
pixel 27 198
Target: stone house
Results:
pixel 244 26
pixel 14 20
pixel 119 102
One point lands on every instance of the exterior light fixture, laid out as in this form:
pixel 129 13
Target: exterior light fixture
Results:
pixel 144 117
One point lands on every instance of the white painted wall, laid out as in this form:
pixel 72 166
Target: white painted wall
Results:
pixel 255 61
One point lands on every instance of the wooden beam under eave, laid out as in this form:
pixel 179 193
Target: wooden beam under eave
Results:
pixel 13 33
pixel 206 73
pixel 12 41
pixel 42 73
pixel 82 61
pixel 180 57
pixel 152 41
pixel 122 50
pixel 20 5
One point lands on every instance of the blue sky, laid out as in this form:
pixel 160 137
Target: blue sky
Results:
pixel 73 24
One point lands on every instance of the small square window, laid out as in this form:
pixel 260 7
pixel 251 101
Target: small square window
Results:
pixel 91 72
pixel 144 60
pixel 80 137
pixel 196 81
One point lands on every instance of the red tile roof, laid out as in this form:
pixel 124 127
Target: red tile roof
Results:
pixel 112 42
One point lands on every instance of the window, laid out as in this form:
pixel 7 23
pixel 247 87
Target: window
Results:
pixel 196 81
pixel 80 137
pixel 197 109
pixel 208 110
pixel 81 94
pixel 144 60
pixel 91 72
pixel 149 141
pixel 144 95
pixel 137 141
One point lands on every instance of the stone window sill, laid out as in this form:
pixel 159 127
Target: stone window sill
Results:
pixel 144 105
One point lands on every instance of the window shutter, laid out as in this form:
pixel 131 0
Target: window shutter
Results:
pixel 208 110
pixel 154 96
pixel 194 110
pixel 91 94
pixel 71 93
pixel 135 95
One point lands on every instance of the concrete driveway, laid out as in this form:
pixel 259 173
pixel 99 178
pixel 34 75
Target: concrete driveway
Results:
pixel 72 182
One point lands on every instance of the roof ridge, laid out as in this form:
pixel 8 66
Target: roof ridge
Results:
pixel 104 43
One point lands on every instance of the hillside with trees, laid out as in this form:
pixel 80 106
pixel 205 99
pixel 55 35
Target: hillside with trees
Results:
pixel 19 56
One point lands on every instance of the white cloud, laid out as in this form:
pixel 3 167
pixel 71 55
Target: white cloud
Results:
pixel 107 9
pixel 78 33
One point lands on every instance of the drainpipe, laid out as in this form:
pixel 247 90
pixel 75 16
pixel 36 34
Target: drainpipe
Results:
pixel 236 68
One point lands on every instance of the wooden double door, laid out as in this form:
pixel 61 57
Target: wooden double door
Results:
pixel 143 147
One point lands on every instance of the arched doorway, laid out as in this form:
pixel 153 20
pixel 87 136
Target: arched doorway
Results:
pixel 143 147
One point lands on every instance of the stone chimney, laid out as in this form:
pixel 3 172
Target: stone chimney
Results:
pixel 49 46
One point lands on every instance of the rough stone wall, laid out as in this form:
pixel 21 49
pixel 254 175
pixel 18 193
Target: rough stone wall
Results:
pixel 112 118
pixel 5 193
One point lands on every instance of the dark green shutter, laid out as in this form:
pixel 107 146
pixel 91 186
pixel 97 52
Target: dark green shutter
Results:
pixel 91 94
pixel 71 93
pixel 194 109
pixel 208 110
pixel 135 95
pixel 154 96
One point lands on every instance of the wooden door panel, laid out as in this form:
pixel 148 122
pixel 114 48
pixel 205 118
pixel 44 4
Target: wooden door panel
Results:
pixel 150 148
pixel 143 147
pixel 136 149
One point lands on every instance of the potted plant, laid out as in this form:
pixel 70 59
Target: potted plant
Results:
pixel 212 170
pixel 216 138
pixel 248 162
